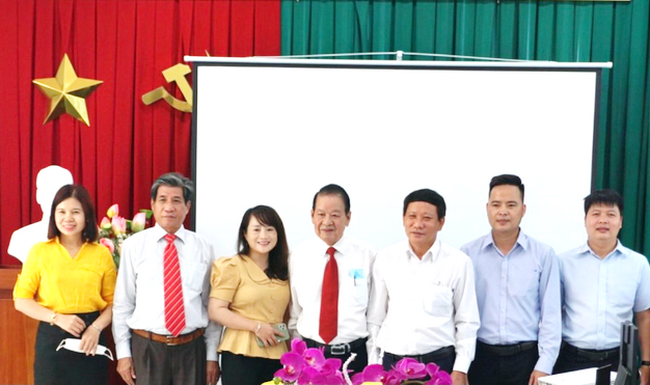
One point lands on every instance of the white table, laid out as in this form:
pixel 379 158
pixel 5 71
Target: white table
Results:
pixel 578 377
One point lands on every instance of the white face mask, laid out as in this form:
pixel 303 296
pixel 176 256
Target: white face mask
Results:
pixel 72 344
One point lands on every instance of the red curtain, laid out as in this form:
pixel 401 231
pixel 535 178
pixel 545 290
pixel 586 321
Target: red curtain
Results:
pixel 126 44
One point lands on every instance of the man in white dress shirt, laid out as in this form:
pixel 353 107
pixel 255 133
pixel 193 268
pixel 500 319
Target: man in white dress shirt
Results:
pixel 423 301
pixel 325 313
pixel 147 344
pixel 603 284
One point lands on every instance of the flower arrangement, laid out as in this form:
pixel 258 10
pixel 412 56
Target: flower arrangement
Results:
pixel 303 366
pixel 114 229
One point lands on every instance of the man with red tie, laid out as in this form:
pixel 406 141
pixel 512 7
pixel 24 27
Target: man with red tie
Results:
pixel 160 319
pixel 330 282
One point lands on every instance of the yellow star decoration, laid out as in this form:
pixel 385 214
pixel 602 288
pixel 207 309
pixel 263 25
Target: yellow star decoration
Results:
pixel 67 92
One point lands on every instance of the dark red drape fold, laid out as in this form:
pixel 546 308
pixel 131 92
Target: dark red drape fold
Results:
pixel 126 44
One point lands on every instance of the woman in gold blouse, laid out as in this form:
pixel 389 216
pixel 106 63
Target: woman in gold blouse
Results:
pixel 250 295
pixel 67 283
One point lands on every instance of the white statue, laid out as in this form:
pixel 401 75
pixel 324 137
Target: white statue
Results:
pixel 48 182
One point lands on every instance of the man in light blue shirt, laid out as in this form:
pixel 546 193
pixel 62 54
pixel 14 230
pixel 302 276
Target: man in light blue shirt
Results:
pixel 518 293
pixel 603 284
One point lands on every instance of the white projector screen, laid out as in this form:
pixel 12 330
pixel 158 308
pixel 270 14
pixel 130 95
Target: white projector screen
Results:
pixel 274 132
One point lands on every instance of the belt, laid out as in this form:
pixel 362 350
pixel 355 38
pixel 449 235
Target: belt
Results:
pixel 339 349
pixel 592 355
pixel 170 340
pixel 433 356
pixel 507 350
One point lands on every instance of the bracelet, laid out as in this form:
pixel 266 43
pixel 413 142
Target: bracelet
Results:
pixel 52 318
pixel 259 326
pixel 96 328
pixel 645 363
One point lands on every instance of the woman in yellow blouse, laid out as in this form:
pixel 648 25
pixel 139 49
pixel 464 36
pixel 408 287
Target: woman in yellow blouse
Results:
pixel 250 294
pixel 67 283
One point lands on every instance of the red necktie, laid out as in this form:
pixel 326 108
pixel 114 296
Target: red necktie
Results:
pixel 329 308
pixel 174 309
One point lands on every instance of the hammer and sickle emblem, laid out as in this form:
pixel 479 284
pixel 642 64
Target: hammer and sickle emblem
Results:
pixel 176 74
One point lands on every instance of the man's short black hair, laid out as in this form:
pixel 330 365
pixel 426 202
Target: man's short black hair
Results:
pixel 428 196
pixel 509 180
pixel 333 189
pixel 607 197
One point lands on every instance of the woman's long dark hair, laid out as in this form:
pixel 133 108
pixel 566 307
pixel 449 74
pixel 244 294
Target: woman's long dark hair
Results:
pixel 77 191
pixel 279 256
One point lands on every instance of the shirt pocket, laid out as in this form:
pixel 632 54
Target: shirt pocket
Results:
pixel 624 295
pixel 355 286
pixel 524 282
pixel 437 301
pixel 193 275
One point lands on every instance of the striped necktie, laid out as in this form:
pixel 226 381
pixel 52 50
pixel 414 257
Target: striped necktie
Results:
pixel 174 308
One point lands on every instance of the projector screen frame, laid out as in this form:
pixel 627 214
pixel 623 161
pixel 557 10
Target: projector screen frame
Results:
pixel 409 65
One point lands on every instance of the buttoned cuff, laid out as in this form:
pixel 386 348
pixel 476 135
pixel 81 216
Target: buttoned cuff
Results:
pixel 544 365
pixel 123 349
pixel 461 364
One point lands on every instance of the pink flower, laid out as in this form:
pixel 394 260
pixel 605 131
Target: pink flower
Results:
pixel 293 365
pixel 298 346
pixel 330 366
pixel 119 225
pixel 438 377
pixel 371 373
pixel 106 224
pixel 108 243
pixel 139 221
pixel 441 378
pixel 410 368
pixel 314 357
pixel 394 378
pixel 113 211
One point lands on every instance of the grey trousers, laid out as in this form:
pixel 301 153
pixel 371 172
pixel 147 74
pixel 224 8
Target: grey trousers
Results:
pixel 156 363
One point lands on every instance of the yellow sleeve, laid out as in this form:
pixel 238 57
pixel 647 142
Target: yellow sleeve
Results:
pixel 109 278
pixel 225 278
pixel 29 278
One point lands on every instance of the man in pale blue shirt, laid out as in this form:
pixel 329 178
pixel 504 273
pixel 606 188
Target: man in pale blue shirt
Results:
pixel 603 284
pixel 518 293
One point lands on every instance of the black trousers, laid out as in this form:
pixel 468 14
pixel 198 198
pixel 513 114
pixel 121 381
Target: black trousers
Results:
pixel 358 347
pixel 572 358
pixel 444 358
pixel 64 367
pixel 490 368
pixel 238 369
pixel 156 363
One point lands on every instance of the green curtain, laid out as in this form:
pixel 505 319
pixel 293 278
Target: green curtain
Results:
pixel 532 30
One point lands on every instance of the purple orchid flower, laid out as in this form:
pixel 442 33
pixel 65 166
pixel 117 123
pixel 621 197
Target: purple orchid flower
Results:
pixel 410 368
pixel 321 379
pixel 298 346
pixel 293 367
pixel 314 357
pixel 437 376
pixel 308 376
pixel 394 378
pixel 371 373
pixel 442 378
pixel 432 370
pixel 331 366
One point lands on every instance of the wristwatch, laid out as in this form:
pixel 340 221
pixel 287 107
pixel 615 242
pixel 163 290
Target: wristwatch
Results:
pixel 645 363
